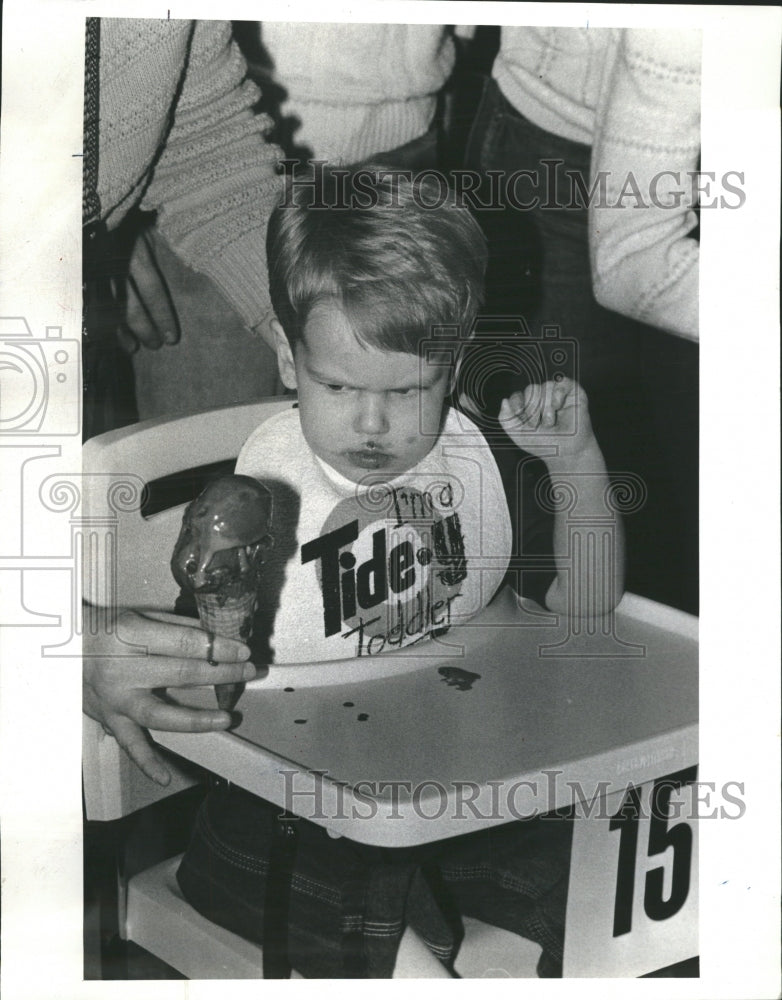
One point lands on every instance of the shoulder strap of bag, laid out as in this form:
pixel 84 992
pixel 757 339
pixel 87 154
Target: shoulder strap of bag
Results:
pixel 90 199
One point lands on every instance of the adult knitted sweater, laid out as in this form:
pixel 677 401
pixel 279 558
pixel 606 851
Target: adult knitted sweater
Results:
pixel 178 136
pixel 358 89
pixel 633 95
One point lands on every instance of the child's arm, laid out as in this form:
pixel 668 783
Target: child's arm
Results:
pixel 552 421
pixel 118 686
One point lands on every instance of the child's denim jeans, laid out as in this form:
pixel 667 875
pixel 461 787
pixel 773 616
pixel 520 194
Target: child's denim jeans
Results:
pixel 348 904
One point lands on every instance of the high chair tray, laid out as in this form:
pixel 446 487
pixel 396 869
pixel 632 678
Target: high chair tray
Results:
pixel 513 714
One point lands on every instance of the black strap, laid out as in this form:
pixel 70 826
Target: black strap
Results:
pixel 109 391
pixel 90 200
pixel 276 964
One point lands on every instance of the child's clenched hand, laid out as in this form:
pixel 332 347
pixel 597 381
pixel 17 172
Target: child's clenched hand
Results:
pixel 550 420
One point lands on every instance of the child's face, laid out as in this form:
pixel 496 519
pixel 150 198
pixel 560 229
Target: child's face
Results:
pixel 363 411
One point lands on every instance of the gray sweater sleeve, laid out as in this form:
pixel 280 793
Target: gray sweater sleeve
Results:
pixel 215 182
pixel 645 153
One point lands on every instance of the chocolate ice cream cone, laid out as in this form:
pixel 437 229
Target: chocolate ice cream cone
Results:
pixel 218 555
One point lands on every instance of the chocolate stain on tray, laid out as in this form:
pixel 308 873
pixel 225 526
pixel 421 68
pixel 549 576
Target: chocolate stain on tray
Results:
pixel 462 680
pixel 362 717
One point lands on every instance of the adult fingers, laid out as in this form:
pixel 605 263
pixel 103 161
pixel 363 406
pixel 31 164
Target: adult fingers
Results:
pixel 139 321
pixel 127 339
pixel 151 313
pixel 166 636
pixel 165 671
pixel 153 713
pixel 136 744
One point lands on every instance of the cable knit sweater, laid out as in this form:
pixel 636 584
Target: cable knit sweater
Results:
pixel 359 89
pixel 634 96
pixel 178 135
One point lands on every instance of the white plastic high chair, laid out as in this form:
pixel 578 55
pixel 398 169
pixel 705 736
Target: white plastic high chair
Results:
pixel 117 468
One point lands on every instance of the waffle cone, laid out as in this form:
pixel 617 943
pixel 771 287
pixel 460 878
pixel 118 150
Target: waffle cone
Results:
pixel 231 617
